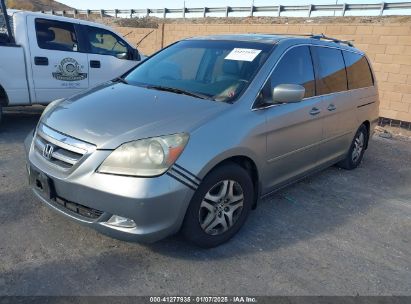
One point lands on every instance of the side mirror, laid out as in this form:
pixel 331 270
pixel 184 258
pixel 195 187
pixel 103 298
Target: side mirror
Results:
pixel 122 56
pixel 134 54
pixel 137 56
pixel 288 93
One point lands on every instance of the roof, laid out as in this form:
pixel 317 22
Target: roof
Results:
pixel 262 38
pixel 275 38
pixel 23 14
pixel 57 17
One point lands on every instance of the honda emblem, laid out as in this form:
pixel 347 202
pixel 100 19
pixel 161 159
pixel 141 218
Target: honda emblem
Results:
pixel 48 151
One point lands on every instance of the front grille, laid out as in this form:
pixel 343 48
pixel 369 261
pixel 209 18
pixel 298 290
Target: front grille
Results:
pixel 60 156
pixel 77 208
pixel 60 149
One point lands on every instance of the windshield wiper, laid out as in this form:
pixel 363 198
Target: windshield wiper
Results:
pixel 178 91
pixel 120 79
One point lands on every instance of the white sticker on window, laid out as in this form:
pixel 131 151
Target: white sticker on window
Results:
pixel 243 54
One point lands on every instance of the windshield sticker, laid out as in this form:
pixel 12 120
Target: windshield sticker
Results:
pixel 243 54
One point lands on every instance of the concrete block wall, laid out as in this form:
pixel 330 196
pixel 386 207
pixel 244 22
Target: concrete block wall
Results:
pixel 388 45
pixel 150 44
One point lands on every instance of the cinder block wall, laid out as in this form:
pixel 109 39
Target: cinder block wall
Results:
pixel 387 45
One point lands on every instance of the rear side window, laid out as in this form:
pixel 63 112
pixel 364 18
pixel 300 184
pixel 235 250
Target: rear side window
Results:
pixel 56 35
pixel 358 71
pixel 295 68
pixel 331 68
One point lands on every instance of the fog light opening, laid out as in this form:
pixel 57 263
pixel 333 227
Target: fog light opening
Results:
pixel 119 221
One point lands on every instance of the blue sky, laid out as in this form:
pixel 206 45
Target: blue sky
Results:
pixel 135 4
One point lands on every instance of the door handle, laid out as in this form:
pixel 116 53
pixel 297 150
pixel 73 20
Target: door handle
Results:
pixel 331 107
pixel 41 61
pixel 315 111
pixel 95 64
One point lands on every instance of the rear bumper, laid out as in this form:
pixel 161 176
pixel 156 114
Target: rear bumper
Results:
pixel 156 205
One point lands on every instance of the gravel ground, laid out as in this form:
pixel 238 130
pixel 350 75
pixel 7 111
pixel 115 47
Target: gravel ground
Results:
pixel 335 233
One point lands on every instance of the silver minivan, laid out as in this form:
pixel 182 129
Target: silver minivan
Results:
pixel 191 138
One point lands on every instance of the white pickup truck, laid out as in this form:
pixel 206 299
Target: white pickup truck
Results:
pixel 47 57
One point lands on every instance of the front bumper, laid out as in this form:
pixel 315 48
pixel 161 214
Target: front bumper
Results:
pixel 156 205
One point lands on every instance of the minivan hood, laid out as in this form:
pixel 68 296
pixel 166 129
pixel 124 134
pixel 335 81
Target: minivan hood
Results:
pixel 114 113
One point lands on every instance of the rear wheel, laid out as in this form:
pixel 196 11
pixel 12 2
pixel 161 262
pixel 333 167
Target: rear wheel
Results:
pixel 219 207
pixel 357 149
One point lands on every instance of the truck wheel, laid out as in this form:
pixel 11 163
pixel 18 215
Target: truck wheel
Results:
pixel 219 207
pixel 1 113
pixel 357 149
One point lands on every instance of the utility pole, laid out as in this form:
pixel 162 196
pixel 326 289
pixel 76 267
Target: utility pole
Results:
pixel 336 2
pixel 184 9
pixel 6 20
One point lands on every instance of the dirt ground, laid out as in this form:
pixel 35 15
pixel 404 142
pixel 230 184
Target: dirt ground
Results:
pixel 335 233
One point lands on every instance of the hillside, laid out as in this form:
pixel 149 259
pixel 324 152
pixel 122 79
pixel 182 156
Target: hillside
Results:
pixel 37 5
pixel 153 22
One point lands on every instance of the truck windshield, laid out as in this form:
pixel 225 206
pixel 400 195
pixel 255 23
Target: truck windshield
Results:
pixel 218 70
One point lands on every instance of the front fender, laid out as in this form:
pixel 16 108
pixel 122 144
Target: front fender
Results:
pixel 216 141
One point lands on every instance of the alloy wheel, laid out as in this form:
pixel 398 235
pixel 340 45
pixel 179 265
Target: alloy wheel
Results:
pixel 358 147
pixel 221 207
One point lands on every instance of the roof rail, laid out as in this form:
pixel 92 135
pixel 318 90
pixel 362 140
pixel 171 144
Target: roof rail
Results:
pixel 322 36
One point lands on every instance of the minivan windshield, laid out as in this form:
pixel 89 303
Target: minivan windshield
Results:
pixel 210 69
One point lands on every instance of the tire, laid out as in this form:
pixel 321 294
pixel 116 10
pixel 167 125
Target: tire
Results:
pixel 357 149
pixel 1 113
pixel 219 207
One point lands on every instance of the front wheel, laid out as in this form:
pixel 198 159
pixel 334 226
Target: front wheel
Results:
pixel 219 207
pixel 357 149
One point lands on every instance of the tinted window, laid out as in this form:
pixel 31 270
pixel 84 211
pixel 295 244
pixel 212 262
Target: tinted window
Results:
pixel 295 68
pixel 358 71
pixel 56 35
pixel 220 70
pixel 332 75
pixel 189 60
pixel 104 42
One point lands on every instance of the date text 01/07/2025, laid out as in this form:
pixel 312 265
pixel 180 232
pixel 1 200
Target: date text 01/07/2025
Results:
pixel 203 299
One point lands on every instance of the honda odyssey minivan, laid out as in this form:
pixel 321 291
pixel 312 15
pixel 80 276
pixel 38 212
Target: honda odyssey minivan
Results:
pixel 192 137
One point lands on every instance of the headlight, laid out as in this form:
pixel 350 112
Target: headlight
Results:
pixel 145 157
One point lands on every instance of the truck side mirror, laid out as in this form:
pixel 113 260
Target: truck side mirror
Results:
pixel 288 93
pixel 132 54
pixel 136 55
pixel 122 56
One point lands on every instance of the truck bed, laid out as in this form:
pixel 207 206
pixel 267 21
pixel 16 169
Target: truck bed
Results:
pixel 13 78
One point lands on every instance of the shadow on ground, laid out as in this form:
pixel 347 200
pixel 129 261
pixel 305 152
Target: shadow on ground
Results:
pixel 17 123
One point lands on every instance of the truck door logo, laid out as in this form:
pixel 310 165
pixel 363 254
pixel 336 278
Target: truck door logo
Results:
pixel 69 70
